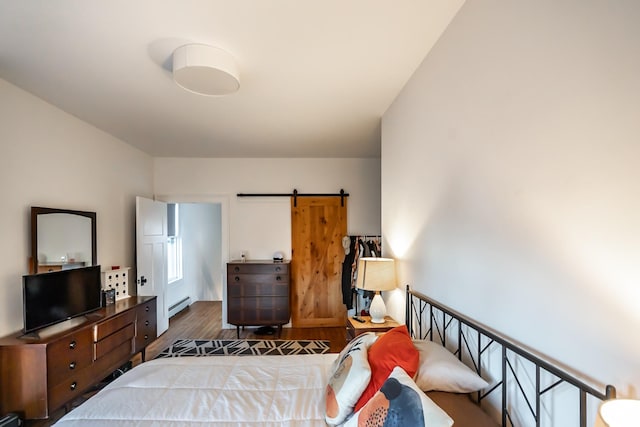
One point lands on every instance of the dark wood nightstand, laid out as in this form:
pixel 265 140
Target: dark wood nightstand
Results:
pixel 355 328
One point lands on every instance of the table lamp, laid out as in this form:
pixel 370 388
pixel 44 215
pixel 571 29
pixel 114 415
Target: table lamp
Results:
pixel 618 413
pixel 376 274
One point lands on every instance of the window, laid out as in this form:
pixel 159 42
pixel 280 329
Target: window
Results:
pixel 174 244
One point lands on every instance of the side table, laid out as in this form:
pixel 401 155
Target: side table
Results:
pixel 355 328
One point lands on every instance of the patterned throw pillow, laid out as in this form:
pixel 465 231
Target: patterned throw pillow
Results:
pixel 400 403
pixel 350 377
pixel 392 349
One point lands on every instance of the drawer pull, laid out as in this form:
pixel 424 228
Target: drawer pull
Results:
pixel 72 345
pixel 146 323
pixel 236 270
pixel 237 279
pixel 72 365
pixel 146 308
pixel 146 337
pixel 278 278
pixel 278 269
pixel 73 385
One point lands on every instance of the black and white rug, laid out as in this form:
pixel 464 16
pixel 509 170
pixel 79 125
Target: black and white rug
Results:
pixel 182 348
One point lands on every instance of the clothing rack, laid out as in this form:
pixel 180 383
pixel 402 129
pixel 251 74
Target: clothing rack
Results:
pixel 349 267
pixel 295 195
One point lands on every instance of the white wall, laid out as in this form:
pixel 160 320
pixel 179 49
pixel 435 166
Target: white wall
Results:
pixel 510 178
pixel 261 226
pixel 52 159
pixel 200 229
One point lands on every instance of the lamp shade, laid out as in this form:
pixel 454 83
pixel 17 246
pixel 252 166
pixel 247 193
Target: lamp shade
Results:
pixel 205 70
pixel 619 413
pixel 376 274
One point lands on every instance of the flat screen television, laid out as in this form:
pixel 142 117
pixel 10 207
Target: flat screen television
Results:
pixel 54 297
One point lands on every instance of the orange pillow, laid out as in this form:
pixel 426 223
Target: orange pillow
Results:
pixel 392 349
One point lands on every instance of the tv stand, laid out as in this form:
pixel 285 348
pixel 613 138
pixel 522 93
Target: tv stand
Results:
pixel 45 370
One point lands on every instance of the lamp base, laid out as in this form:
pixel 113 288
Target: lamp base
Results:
pixel 377 310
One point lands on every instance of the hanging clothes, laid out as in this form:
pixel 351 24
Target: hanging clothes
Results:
pixel 359 246
pixel 347 273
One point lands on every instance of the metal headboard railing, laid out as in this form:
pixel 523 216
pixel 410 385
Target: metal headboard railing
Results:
pixel 429 320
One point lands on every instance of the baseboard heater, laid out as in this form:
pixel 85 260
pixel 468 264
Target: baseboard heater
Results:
pixel 179 306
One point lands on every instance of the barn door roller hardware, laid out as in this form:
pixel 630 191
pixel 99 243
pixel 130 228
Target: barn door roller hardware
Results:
pixel 295 195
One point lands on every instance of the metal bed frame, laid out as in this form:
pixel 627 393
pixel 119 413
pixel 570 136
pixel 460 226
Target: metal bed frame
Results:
pixel 471 342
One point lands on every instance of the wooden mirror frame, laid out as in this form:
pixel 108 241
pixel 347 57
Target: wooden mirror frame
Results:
pixel 36 211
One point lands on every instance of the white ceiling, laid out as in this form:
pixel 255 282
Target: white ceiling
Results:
pixel 316 76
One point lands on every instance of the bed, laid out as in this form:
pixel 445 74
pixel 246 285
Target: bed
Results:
pixel 292 390
pixel 227 391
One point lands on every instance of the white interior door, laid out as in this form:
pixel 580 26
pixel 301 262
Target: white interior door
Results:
pixel 151 255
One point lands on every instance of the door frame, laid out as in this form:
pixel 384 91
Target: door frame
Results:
pixel 223 200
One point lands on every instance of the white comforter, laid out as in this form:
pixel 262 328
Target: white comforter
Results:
pixel 220 391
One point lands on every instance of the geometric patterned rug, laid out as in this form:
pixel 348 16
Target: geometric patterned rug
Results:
pixel 201 348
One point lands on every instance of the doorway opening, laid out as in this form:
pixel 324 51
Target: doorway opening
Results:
pixel 200 239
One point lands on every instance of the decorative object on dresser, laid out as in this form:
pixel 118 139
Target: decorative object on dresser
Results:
pixel 42 372
pixel 108 297
pixel 117 278
pixel 358 325
pixel 258 294
pixel 376 274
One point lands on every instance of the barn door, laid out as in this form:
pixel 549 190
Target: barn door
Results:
pixel 317 227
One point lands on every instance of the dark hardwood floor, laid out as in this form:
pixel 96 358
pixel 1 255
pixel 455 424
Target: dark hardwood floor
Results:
pixel 203 320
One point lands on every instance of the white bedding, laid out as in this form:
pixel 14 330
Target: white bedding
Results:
pixel 220 391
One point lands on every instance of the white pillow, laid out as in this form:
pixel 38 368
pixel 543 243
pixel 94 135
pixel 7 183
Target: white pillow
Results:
pixel 399 402
pixel 440 370
pixel 350 376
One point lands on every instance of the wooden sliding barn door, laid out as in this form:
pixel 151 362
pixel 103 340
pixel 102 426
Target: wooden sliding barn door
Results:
pixel 317 227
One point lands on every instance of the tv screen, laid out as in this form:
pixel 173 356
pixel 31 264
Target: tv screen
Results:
pixel 53 297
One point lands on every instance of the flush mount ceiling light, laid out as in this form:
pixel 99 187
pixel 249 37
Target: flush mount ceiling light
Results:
pixel 205 70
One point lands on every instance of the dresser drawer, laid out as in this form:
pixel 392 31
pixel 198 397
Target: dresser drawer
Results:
pixel 249 268
pixel 71 387
pixel 248 311
pixel 114 359
pixel 108 344
pixel 145 336
pixel 114 324
pixel 146 331
pixel 69 355
pixel 245 287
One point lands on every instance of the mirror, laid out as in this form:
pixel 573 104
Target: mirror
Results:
pixel 62 239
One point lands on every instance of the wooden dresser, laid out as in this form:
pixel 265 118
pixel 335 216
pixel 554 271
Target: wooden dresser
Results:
pixel 41 374
pixel 258 293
